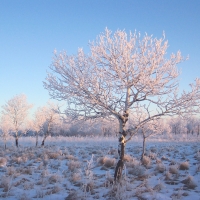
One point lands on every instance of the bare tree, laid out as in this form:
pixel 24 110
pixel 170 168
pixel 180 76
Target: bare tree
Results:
pixel 122 73
pixel 149 129
pixel 5 127
pixel 51 120
pixel 38 122
pixel 17 110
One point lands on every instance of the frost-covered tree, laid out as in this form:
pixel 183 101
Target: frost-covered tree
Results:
pixel 38 122
pixel 50 120
pixel 17 110
pixel 5 127
pixel 151 128
pixel 122 72
pixel 177 125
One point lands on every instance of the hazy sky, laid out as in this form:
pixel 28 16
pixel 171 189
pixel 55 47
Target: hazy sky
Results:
pixel 30 30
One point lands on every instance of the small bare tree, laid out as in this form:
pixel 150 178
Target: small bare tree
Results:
pixel 51 120
pixel 17 110
pixel 38 122
pixel 122 73
pixel 149 129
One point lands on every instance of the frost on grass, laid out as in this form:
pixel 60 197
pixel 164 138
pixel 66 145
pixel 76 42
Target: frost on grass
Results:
pixel 70 172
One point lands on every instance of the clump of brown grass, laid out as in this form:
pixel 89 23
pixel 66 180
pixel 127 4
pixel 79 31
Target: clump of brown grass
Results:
pixel 168 175
pixel 146 161
pixel 73 165
pixel 153 156
pixel 138 170
pixel 189 182
pixel 54 179
pixel 3 162
pixel 158 187
pixel 173 169
pixel 55 189
pixel 27 171
pixel 106 161
pixel 76 177
pixel 70 157
pixel 132 163
pixel 184 165
pixel 54 155
pixel 89 187
pixel 128 158
pixel 160 167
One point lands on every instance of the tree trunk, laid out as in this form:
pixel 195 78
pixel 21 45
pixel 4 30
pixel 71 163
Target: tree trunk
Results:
pixel 36 144
pixel 43 140
pixel 121 147
pixel 16 141
pixel 143 147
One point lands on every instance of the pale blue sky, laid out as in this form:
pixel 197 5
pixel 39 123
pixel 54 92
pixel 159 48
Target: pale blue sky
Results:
pixel 31 29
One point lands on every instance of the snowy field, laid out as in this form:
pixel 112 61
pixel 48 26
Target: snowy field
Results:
pixel 78 168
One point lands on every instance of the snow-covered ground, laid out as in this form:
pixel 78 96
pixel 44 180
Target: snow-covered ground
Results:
pixel 82 168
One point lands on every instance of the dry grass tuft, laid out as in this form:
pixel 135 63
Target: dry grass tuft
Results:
pixel 55 189
pixel 146 161
pixel 138 170
pixel 70 157
pixel 132 163
pixel 3 162
pixel 168 176
pixel 54 179
pixel 73 165
pixel 158 187
pixel 189 182
pixel 76 177
pixel 173 169
pixel 128 158
pixel 89 187
pixel 54 155
pixel 27 171
pixel 184 165
pixel 160 167
pixel 107 162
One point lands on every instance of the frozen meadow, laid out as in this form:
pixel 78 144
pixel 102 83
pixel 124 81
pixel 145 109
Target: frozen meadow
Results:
pixel 83 168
